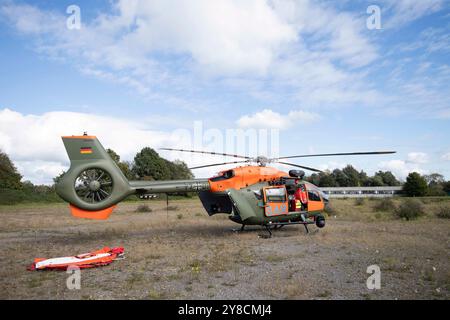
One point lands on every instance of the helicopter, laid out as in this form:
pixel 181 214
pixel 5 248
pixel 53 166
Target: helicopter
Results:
pixel 251 194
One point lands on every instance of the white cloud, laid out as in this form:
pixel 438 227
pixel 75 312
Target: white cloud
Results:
pixel 156 46
pixel 417 157
pixel 400 168
pixel 39 171
pixel 269 119
pixel 224 36
pixel 404 11
pixel 34 141
pixel 336 34
pixel 446 156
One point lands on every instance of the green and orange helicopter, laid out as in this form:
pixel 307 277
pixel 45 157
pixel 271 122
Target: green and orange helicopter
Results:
pixel 249 194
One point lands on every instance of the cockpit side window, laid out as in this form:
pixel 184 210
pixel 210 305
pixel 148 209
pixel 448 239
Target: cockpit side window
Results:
pixel 224 176
pixel 313 195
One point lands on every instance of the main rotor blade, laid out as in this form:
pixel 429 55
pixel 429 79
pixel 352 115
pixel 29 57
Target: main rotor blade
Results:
pixel 336 154
pixel 218 164
pixel 298 166
pixel 207 152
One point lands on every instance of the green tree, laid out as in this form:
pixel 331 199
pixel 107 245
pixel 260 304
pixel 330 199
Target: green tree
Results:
pixel 125 167
pixel 388 178
pixel 434 178
pixel 9 176
pixel 341 179
pixel 179 170
pixel 436 182
pixel 314 179
pixel 58 178
pixel 326 180
pixel 113 155
pixel 352 176
pixel 415 185
pixel 447 187
pixel 148 165
pixel 376 181
pixel 363 178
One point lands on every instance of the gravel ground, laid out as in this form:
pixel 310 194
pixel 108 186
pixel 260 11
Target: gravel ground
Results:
pixel 184 254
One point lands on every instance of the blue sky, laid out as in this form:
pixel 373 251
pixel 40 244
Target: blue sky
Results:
pixel 137 71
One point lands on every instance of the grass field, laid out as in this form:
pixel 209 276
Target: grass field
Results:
pixel 183 254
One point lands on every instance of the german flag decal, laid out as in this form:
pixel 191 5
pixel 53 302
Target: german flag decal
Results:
pixel 86 150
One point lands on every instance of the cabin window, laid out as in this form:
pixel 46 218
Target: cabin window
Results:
pixel 276 195
pixel 313 195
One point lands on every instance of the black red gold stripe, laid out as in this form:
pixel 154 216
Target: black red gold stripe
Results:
pixel 86 150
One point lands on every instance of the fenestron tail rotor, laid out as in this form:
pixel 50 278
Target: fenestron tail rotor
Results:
pixel 93 185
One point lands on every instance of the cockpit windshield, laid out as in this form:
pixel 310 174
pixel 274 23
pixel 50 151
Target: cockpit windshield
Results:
pixel 310 186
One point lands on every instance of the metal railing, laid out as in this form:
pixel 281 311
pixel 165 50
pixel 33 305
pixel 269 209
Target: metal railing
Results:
pixel 362 192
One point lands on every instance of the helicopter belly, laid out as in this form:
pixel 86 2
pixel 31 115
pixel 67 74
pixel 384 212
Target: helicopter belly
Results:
pixel 215 202
pixel 245 207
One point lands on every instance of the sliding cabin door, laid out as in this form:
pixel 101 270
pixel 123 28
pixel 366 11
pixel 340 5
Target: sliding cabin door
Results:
pixel 276 201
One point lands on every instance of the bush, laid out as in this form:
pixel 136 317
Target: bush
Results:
pixel 410 209
pixel 359 201
pixel 144 208
pixel 443 212
pixel 37 194
pixel 385 204
pixel 329 210
pixel 436 190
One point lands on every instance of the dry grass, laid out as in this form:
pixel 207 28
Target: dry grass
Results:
pixel 443 212
pixel 201 257
pixel 143 208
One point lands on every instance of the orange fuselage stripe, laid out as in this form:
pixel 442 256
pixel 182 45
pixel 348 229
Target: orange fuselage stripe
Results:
pixel 80 137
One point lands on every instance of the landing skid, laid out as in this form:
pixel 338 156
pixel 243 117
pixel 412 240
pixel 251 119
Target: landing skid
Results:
pixel 242 229
pixel 279 225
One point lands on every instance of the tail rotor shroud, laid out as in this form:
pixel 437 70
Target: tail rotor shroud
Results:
pixel 93 185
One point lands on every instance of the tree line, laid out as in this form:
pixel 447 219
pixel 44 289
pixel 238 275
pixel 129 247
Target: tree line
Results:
pixel 416 185
pixel 148 165
pixel 350 177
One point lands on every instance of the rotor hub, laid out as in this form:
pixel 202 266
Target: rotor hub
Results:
pixel 262 161
pixel 94 185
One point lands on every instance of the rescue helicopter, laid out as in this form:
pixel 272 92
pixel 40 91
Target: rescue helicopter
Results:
pixel 251 194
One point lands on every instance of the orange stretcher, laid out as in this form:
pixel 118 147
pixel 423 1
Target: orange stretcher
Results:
pixel 93 259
